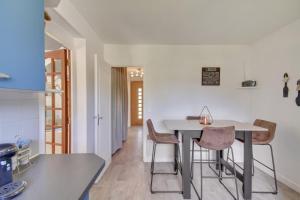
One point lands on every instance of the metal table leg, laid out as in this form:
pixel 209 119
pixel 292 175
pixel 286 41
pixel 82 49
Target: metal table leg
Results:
pixel 176 153
pixel 186 168
pixel 247 186
pixel 219 155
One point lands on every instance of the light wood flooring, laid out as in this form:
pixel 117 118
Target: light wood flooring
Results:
pixel 128 178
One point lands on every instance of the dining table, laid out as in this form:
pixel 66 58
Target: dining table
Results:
pixel 190 129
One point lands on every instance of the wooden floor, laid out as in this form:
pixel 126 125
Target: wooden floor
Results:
pixel 128 178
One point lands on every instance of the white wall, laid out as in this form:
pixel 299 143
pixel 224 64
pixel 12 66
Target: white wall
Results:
pixel 83 50
pixel 172 83
pixel 19 115
pixel 272 57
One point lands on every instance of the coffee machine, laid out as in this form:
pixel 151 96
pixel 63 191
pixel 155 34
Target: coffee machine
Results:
pixel 7 151
pixel 8 188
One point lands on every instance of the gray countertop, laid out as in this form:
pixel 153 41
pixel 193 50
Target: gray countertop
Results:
pixel 60 177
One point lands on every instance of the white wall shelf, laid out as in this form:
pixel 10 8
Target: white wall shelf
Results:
pixel 247 87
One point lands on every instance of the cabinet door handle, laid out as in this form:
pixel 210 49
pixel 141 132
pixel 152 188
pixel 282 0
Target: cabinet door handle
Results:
pixel 4 76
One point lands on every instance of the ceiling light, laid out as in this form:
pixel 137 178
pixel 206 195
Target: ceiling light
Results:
pixel 137 73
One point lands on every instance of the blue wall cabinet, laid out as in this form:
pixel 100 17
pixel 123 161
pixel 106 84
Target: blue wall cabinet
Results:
pixel 22 44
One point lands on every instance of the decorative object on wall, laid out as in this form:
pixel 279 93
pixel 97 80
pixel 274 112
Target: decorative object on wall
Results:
pixel 47 16
pixel 249 83
pixel 205 116
pixel 298 97
pixel 211 76
pixel 285 89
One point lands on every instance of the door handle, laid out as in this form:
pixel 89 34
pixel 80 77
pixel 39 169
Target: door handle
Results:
pixel 98 117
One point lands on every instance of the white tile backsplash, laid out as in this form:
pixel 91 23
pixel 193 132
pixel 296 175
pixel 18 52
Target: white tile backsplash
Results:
pixel 19 115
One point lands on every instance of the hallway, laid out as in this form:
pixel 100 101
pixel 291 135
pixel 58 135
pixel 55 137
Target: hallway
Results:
pixel 128 178
pixel 125 178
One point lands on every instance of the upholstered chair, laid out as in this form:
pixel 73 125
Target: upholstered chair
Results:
pixel 162 138
pixel 206 151
pixel 217 139
pixel 264 138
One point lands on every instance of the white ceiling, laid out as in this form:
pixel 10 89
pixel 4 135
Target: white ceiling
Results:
pixel 186 21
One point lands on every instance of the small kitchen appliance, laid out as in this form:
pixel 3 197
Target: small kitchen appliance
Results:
pixel 7 151
pixel 8 188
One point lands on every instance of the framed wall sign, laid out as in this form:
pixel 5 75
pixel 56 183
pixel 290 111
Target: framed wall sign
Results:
pixel 211 76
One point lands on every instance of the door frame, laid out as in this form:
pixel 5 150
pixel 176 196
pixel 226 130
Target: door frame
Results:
pixel 96 116
pixel 77 46
pixel 64 55
pixel 100 116
pixel 141 122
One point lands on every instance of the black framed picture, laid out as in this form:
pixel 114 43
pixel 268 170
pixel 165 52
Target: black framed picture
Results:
pixel 211 76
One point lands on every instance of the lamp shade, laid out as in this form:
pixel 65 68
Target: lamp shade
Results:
pixel 205 116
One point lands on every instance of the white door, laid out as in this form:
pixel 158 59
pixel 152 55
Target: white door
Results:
pixel 102 109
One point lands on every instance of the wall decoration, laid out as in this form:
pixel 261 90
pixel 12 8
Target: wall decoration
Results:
pixel 285 88
pixel 249 83
pixel 298 97
pixel 211 76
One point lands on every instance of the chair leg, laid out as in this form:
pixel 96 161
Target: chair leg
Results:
pixel 236 197
pixel 235 178
pixel 227 159
pixel 230 159
pixel 274 173
pixel 220 168
pixel 201 175
pixel 219 176
pixel 237 165
pixel 274 170
pixel 163 173
pixel 152 166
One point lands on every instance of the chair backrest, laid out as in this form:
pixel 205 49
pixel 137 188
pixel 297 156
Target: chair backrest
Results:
pixel 217 138
pixel 262 136
pixel 151 130
pixel 192 117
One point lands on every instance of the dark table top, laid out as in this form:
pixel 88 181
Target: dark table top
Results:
pixel 60 177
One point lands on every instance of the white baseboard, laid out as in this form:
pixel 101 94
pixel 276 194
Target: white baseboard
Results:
pixel 103 171
pixel 281 178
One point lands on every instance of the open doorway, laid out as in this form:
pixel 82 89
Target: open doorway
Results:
pixel 57 98
pixel 127 104
pixel 136 97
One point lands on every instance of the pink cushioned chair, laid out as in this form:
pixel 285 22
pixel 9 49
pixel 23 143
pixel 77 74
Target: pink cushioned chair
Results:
pixel 264 138
pixel 162 138
pixel 217 139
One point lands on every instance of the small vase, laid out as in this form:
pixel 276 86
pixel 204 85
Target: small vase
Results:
pixel 285 90
pixel 298 99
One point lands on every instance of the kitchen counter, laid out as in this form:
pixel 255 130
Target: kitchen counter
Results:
pixel 60 177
